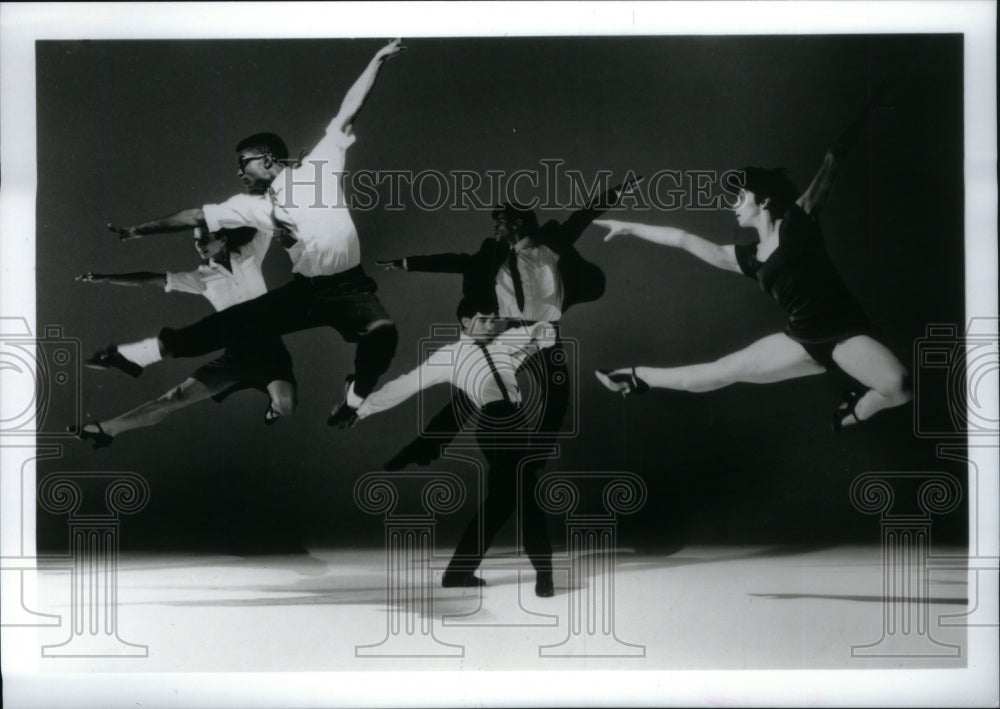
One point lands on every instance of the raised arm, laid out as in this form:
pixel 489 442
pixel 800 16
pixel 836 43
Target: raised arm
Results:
pixel 815 196
pixel 723 257
pixel 355 97
pixel 570 230
pixel 138 278
pixel 179 221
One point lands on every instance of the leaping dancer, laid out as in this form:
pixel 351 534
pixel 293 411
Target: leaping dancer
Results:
pixel 827 328
pixel 229 274
pixel 329 286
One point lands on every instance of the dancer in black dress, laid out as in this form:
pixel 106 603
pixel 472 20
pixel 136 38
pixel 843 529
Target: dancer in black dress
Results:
pixel 827 328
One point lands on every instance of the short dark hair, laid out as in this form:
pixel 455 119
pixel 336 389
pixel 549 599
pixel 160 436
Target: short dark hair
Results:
pixel 268 143
pixel 237 238
pixel 529 221
pixel 468 308
pixel 773 184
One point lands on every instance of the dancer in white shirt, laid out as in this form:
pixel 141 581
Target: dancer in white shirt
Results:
pixel 229 274
pixel 483 365
pixel 304 209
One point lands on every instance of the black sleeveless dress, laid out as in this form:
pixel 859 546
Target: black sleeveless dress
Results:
pixel 802 278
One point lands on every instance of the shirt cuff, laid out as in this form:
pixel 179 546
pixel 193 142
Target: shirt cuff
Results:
pixel 211 213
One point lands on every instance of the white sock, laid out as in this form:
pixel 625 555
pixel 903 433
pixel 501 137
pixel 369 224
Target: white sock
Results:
pixel 353 400
pixel 144 353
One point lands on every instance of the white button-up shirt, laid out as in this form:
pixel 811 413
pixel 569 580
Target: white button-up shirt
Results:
pixel 463 365
pixel 543 289
pixel 224 288
pixel 310 203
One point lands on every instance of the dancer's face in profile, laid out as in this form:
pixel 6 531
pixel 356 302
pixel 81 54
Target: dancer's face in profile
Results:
pixel 480 328
pixel 746 209
pixel 506 228
pixel 208 244
pixel 254 169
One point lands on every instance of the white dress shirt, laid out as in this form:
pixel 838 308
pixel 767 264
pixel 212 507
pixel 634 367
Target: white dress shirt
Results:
pixel 540 280
pixel 463 365
pixel 309 201
pixel 224 288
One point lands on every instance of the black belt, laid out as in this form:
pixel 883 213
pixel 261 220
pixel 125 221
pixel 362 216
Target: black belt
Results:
pixel 520 322
pixel 349 274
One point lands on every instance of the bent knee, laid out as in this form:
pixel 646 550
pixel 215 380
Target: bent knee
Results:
pixel 896 387
pixel 284 404
pixel 380 327
pixel 382 331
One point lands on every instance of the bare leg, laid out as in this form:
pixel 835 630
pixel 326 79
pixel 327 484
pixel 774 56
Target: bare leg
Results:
pixel 771 359
pixel 152 412
pixel 872 364
pixel 284 399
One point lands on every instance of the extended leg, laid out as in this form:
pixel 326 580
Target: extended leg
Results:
pixel 152 412
pixel 771 359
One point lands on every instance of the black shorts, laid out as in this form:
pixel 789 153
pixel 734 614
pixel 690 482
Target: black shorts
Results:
pixel 247 366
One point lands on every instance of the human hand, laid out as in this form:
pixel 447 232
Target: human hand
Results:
pixel 615 228
pixel 393 265
pixel 124 233
pixel 390 50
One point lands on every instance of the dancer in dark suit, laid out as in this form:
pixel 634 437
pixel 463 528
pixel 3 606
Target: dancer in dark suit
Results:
pixel 528 274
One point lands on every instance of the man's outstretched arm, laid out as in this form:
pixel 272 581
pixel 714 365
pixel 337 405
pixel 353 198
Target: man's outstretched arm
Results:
pixel 355 98
pixel 179 221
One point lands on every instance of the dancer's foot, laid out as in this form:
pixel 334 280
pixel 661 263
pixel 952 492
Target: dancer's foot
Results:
pixel 625 383
pixel 109 358
pixel 345 415
pixel 846 414
pixel 94 432
pixel 544 587
pixel 459 579
pixel 270 416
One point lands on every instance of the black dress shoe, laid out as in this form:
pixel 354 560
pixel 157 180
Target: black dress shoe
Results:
pixel 345 415
pixel 99 437
pixel 452 579
pixel 544 587
pixel 111 358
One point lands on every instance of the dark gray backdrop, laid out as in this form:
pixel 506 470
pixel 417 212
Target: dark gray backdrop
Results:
pixel 129 131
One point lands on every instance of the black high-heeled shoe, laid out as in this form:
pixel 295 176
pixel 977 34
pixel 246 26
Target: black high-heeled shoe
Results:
pixel 625 384
pixel 270 416
pixel 99 438
pixel 848 403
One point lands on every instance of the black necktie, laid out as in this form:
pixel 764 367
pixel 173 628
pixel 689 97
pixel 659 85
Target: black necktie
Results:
pixel 282 232
pixel 516 277
pixel 496 374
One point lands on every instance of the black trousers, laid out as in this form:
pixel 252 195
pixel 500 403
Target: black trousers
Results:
pixel 503 457
pixel 345 301
pixel 549 373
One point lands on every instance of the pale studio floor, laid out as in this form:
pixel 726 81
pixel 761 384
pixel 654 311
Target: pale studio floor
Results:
pixel 696 608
